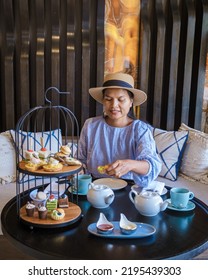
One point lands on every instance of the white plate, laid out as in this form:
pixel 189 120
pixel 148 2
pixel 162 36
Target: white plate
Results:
pixel 113 183
pixel 139 189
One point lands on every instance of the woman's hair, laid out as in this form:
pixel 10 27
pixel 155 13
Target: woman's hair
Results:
pixel 131 111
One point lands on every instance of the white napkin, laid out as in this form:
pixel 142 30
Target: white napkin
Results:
pixel 155 186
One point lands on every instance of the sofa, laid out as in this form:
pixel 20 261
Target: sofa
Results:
pixel 184 156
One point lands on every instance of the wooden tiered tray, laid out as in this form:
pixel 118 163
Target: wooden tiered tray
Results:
pixel 67 170
pixel 72 214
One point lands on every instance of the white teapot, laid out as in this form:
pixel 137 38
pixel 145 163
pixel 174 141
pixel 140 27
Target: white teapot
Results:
pixel 148 203
pixel 100 196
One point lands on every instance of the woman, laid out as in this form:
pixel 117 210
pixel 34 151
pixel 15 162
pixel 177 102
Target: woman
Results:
pixel 124 145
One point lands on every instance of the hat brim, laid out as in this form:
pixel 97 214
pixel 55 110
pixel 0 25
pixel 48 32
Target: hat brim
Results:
pixel 139 96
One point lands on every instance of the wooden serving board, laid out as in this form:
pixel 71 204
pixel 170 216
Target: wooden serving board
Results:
pixel 72 213
pixel 66 169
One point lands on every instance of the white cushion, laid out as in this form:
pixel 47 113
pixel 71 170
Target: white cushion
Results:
pixel 170 146
pixel 195 159
pixel 7 158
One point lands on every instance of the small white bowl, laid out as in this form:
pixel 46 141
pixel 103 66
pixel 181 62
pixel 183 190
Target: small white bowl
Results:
pixel 103 225
pixel 126 226
pixel 36 201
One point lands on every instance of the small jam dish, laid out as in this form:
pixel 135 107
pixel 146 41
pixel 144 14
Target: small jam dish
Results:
pixel 126 226
pixel 103 225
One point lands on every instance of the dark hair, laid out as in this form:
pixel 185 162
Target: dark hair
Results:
pixel 131 110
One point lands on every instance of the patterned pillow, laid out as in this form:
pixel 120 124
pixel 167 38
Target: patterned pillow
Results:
pixel 7 158
pixel 170 147
pixel 29 140
pixel 194 164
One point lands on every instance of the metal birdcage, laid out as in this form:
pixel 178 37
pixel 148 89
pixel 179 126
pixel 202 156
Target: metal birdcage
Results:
pixel 49 128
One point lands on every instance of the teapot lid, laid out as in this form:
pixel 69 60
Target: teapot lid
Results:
pixel 100 187
pixel 148 194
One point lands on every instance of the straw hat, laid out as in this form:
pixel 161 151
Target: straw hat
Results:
pixel 119 80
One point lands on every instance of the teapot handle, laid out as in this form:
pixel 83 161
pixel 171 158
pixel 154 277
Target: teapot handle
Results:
pixel 90 185
pixel 132 194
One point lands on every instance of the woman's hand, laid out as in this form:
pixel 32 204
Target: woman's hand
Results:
pixel 118 168
pixel 123 166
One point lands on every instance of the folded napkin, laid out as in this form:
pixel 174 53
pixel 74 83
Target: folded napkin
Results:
pixel 154 186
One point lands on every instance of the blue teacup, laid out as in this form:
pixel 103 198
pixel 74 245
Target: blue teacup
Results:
pixel 83 183
pixel 180 197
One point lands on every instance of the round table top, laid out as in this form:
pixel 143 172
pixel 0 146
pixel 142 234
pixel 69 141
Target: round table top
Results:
pixel 179 234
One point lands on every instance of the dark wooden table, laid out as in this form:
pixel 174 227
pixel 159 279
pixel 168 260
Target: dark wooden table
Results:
pixel 179 235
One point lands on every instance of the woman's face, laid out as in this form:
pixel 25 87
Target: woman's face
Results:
pixel 117 103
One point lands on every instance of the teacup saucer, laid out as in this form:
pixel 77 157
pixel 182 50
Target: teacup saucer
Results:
pixel 75 192
pixel 190 206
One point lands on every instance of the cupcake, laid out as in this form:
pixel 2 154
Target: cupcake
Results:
pixel 42 212
pixel 30 209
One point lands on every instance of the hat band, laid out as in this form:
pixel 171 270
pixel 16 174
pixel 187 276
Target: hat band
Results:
pixel 116 83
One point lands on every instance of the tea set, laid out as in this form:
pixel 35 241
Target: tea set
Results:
pixel 148 202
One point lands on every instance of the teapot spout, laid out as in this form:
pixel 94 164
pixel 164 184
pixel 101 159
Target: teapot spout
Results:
pixel 109 199
pixel 163 205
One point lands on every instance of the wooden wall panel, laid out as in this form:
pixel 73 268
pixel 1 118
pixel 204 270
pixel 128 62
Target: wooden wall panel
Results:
pixel 173 47
pixel 60 43
pixel 50 44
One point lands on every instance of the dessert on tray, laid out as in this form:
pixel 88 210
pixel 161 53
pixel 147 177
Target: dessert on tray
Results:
pixel 63 201
pixel 51 203
pixel 42 212
pixel 43 153
pixel 53 165
pixel 57 214
pixel 30 209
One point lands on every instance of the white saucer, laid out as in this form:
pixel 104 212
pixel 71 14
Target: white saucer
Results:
pixel 189 207
pixel 113 183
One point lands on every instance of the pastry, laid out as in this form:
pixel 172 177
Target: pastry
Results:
pixel 102 169
pixel 72 161
pixel 51 203
pixel 31 166
pixel 57 214
pixel 34 163
pixel 30 209
pixel 63 201
pixel 53 165
pixel 42 212
pixel 65 150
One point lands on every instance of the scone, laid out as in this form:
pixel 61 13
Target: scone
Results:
pixel 65 150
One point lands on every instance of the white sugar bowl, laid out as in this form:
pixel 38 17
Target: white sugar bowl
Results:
pixel 100 196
